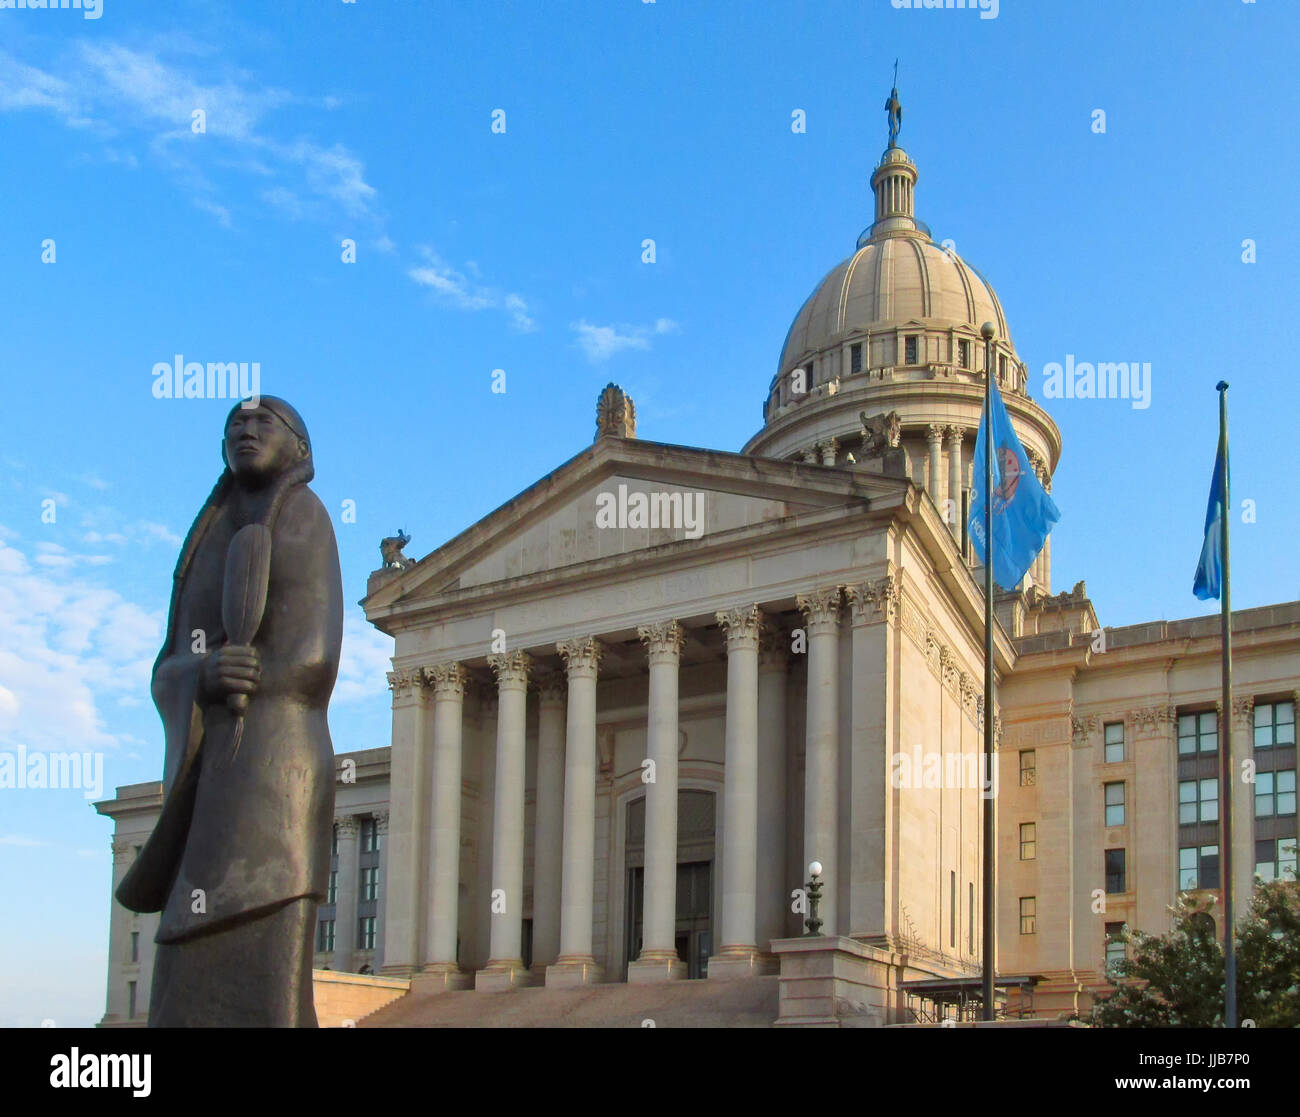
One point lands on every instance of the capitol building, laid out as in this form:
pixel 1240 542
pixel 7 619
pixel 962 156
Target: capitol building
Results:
pixel 631 705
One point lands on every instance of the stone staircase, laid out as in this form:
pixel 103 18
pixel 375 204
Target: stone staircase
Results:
pixel 747 1003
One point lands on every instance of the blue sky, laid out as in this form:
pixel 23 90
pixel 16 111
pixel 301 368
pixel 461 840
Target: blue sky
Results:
pixel 522 251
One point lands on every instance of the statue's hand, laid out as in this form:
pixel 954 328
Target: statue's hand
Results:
pixel 234 669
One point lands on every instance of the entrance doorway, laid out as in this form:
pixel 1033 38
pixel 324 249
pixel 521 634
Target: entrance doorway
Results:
pixel 693 931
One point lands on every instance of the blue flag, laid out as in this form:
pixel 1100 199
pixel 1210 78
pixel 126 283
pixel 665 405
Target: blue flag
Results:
pixel 1023 513
pixel 1209 571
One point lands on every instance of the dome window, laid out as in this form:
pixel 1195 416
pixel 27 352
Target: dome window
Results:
pixel 1002 369
pixel 909 350
pixel 963 354
pixel 855 358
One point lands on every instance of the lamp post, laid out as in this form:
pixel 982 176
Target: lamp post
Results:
pixel 813 923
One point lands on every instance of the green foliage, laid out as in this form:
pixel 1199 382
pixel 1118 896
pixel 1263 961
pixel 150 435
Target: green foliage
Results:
pixel 1177 980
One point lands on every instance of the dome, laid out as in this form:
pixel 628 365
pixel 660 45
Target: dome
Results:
pixel 892 281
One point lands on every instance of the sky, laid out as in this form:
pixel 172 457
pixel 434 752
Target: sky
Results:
pixel 132 231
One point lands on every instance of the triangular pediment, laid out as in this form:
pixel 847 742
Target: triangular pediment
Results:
pixel 620 497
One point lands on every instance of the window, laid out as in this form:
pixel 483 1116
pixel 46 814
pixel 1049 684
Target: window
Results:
pixel 1028 769
pixel 1116 950
pixel 1115 804
pixel 370 883
pixel 1028 841
pixel 1028 914
pixel 1116 877
pixel 332 894
pixel 1198 801
pixel 1274 793
pixel 369 836
pixel 1114 733
pixel 910 350
pixel 334 841
pixel 135 946
pixel 366 932
pixel 1275 859
pixel 855 358
pixel 952 908
pixel 1002 376
pixel 963 354
pixel 1198 867
pixel 325 935
pixel 130 1000
pixel 1198 733
pixel 1274 724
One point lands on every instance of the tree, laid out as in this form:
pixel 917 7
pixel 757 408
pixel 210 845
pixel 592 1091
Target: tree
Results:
pixel 1176 980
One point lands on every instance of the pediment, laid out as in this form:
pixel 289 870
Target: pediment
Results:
pixel 623 496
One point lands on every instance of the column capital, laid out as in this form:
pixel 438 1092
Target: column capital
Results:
pixel 447 680
pixel 742 627
pixel 830 449
pixel 121 851
pixel 934 432
pixel 875 600
pixel 511 669
pixel 550 687
pixel 405 682
pixel 1243 710
pixel 954 432
pixel 1081 728
pixel 349 826
pixel 663 640
pixel 381 821
pixel 1152 719
pixel 581 655
pixel 821 609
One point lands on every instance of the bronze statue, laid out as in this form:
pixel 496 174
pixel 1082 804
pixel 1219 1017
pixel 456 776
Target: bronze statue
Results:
pixel 895 109
pixel 239 858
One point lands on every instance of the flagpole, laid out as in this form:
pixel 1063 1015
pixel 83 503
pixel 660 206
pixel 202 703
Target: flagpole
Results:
pixel 1226 773
pixel 988 333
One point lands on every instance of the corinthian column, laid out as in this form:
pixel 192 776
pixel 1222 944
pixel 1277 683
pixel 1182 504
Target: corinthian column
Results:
pixel 505 967
pixel 345 893
pixel 739 954
pixel 447 681
pixel 576 965
pixel 934 437
pixel 381 904
pixel 953 516
pixel 548 827
pixel 658 960
pixel 407 798
pixel 821 610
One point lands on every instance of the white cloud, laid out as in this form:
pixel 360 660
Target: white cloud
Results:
pixel 20 840
pixel 66 646
pixel 455 288
pixel 602 342
pixel 364 662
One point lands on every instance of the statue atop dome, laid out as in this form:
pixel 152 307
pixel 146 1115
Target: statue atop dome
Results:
pixel 895 109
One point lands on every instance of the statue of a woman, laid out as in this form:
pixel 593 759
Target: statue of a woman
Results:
pixel 239 858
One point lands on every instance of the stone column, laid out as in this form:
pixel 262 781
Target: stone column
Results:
pixel 402 955
pixel 345 896
pixel 773 884
pixel 576 964
pixel 381 901
pixel 739 956
pixel 873 802
pixel 934 436
pixel 505 967
pixel 1243 807
pixel 447 682
pixel 658 960
pixel 821 610
pixel 953 516
pixel 548 832
pixel 121 923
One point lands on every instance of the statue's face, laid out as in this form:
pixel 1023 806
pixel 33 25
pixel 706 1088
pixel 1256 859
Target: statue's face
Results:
pixel 259 446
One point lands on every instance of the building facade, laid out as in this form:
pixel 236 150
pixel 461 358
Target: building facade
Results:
pixel 632 705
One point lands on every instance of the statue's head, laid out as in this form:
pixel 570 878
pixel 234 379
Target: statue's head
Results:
pixel 264 442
